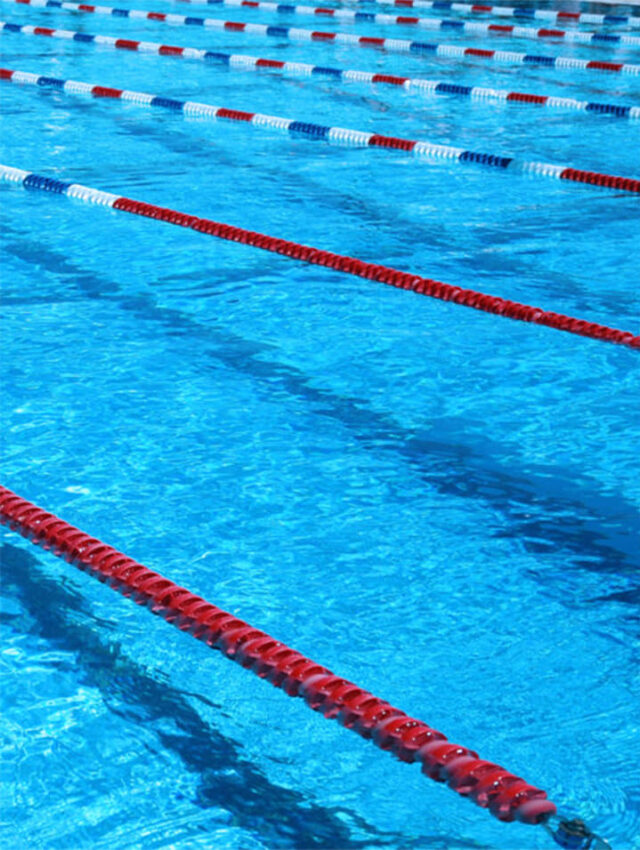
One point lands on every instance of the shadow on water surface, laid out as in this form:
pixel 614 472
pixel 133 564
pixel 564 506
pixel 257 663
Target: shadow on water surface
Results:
pixel 279 816
pixel 547 510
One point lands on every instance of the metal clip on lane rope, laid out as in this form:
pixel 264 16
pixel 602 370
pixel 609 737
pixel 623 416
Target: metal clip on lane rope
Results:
pixel 574 834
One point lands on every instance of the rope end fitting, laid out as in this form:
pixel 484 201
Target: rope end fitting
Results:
pixel 574 834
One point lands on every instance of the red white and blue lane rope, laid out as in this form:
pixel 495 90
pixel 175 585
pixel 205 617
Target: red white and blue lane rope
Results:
pixel 396 45
pixel 427 88
pixel 506 796
pixel 307 254
pixel 526 13
pixel 424 151
pixel 244 62
pixel 352 16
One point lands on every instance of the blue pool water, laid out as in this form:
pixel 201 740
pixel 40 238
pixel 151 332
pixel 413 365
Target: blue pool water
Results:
pixel 438 504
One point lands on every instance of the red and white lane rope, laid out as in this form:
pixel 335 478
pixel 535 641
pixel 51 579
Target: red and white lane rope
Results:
pixel 506 796
pixel 307 254
pixel 527 13
pixel 352 16
pixel 244 62
pixel 394 45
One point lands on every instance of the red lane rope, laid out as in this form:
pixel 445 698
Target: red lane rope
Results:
pixel 508 797
pixel 349 265
pixel 383 274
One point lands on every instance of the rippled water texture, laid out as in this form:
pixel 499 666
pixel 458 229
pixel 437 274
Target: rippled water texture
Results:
pixel 438 504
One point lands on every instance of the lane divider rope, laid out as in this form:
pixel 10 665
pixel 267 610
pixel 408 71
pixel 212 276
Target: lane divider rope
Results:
pixel 426 88
pixel 341 14
pixel 635 4
pixel 506 796
pixel 395 45
pixel 307 254
pixel 527 13
pixel 426 152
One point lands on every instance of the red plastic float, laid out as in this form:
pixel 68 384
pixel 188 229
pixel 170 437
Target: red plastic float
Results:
pixel 506 796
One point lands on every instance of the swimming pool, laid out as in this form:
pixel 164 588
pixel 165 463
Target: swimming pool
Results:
pixel 436 503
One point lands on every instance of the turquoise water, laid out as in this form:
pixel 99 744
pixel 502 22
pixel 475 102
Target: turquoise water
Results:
pixel 438 504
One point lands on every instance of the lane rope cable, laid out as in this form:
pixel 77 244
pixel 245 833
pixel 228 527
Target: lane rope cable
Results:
pixel 602 39
pixel 425 152
pixel 527 13
pixel 393 45
pixel 507 797
pixel 307 254
pixel 426 88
